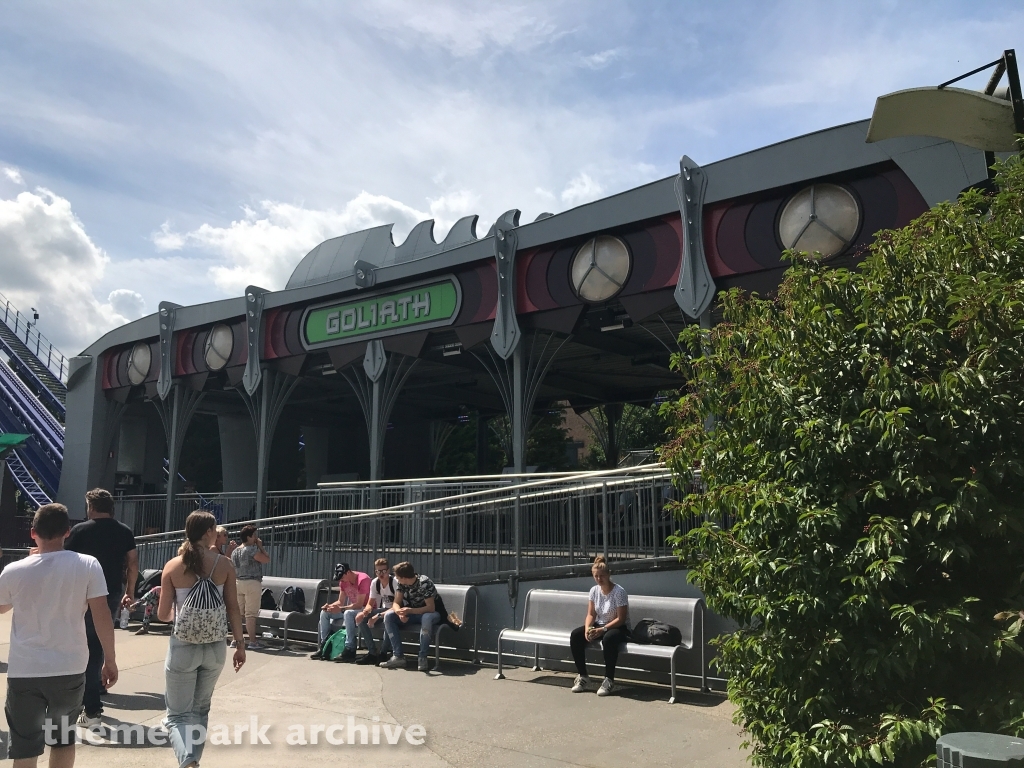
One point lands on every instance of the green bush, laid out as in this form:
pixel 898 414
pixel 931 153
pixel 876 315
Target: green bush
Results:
pixel 868 444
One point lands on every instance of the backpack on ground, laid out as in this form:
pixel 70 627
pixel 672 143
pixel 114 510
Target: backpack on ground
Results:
pixel 333 646
pixel 293 600
pixel 652 632
pixel 267 601
pixel 201 617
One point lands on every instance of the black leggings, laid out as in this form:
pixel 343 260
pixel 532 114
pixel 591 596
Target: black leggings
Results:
pixel 611 642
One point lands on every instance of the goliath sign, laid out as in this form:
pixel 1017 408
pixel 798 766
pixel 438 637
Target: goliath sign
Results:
pixel 429 304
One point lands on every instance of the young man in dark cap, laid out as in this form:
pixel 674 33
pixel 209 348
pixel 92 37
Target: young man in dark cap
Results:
pixel 353 592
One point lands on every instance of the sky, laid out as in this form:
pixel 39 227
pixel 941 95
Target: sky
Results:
pixel 182 151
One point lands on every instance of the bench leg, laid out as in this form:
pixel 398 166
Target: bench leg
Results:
pixel 499 676
pixel 672 681
pixel 437 648
pixel 536 658
pixel 284 635
pixel 704 688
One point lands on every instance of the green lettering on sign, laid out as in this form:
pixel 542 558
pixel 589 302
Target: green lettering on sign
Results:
pixel 424 305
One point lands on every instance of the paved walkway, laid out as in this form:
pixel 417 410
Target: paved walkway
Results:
pixel 529 719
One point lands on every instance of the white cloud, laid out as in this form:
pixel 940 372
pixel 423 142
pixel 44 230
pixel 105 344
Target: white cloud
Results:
pixel 449 208
pixel 166 240
pixel 582 189
pixel 463 31
pixel 14 175
pixel 49 262
pixel 127 303
pixel 601 59
pixel 263 247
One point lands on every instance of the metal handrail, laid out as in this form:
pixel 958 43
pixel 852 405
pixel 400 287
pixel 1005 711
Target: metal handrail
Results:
pixel 27 332
pixel 449 502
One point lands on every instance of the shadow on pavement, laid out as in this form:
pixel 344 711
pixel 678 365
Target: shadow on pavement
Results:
pixel 134 701
pixel 637 691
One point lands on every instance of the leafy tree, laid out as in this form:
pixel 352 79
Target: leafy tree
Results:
pixel 639 428
pixel 869 447
pixel 546 442
pixel 458 456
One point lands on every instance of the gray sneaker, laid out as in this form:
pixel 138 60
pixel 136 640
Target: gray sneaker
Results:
pixel 581 684
pixel 606 688
pixel 423 665
pixel 394 662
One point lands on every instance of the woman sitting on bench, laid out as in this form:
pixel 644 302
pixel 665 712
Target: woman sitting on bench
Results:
pixel 608 621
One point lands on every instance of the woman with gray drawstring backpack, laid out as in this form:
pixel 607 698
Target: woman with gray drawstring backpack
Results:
pixel 198 591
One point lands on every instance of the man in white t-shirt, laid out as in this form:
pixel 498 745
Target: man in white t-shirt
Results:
pixel 382 596
pixel 50 593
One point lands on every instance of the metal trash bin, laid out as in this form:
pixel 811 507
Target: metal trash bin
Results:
pixel 978 750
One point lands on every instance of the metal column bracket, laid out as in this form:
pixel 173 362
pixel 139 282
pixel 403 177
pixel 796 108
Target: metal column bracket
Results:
pixel 374 360
pixel 254 296
pixel 365 274
pixel 164 380
pixel 505 334
pixel 695 289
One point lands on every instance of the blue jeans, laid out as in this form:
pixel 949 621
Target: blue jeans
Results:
pixel 350 630
pixel 425 621
pixel 191 671
pixel 93 684
pixel 326 619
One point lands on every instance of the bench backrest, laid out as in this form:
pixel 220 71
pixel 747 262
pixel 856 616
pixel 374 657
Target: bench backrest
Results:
pixel 315 590
pixel 680 612
pixel 562 611
pixel 459 599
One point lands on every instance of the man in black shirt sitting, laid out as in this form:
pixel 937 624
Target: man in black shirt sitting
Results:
pixel 113 544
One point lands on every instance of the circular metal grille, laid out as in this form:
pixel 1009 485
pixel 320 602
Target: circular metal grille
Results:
pixel 219 344
pixel 600 268
pixel 139 362
pixel 820 219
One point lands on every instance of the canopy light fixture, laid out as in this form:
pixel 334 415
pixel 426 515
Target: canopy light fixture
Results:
pixel 449 350
pixel 981 120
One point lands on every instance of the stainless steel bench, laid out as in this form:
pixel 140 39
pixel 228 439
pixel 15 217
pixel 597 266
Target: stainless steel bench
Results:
pixel 463 601
pixel 302 623
pixel 550 616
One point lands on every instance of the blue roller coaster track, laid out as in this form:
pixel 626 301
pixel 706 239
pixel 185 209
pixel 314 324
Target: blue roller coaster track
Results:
pixel 32 395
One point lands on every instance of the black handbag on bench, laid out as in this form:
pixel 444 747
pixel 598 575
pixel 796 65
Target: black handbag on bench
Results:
pixel 653 632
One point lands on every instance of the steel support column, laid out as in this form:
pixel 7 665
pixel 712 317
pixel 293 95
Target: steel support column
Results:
pixel 176 410
pixel 519 380
pixel 377 386
pixel 265 405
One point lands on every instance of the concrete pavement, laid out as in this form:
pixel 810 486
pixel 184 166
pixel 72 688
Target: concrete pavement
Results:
pixel 470 719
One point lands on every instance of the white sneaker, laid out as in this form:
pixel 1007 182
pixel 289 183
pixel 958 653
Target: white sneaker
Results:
pixel 606 688
pixel 86 721
pixel 394 662
pixel 581 684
